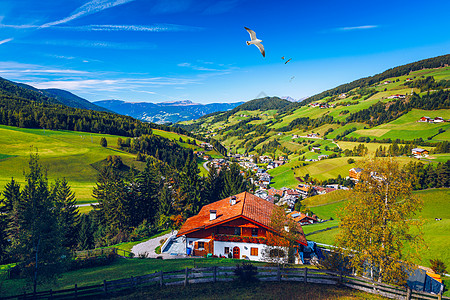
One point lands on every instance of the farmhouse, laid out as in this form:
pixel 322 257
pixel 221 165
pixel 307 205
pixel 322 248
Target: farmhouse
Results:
pixel 236 227
pixel 303 219
pixel 419 151
pixel 355 173
pixel 424 119
pixel 397 96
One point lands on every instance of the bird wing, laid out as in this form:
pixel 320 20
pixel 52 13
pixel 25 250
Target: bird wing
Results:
pixel 252 33
pixel 288 60
pixel 261 48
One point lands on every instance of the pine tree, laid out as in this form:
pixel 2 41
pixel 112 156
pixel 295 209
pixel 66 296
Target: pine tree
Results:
pixel 113 208
pixel 103 142
pixel 213 186
pixel 68 215
pixel 86 233
pixel 37 240
pixel 189 194
pixel 233 182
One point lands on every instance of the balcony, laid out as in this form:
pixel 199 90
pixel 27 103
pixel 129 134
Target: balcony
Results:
pixel 240 239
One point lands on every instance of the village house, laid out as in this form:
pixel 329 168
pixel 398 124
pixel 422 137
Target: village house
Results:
pixel 438 120
pixel 324 156
pixel 342 96
pixel 355 173
pixel 424 119
pixel 315 149
pixel 235 227
pixel 312 135
pixel 303 190
pixel 397 96
pixel 303 219
pixel 419 152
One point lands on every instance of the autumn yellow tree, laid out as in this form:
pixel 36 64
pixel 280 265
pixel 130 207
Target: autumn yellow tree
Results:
pixel 282 242
pixel 377 222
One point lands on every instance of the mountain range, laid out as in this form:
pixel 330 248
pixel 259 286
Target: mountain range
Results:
pixel 165 112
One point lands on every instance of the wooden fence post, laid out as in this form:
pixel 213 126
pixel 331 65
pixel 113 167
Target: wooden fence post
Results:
pixel 161 278
pixel 51 293
pixel 305 276
pixel 76 291
pixel 105 288
pixel 278 273
pixel 408 293
pixel 440 296
pixel 186 276
pixel 340 276
pixel 215 274
pixel 132 281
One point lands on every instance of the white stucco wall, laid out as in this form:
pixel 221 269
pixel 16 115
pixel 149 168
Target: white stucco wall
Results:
pixel 219 248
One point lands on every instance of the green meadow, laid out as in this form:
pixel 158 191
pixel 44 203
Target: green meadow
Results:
pixel 66 154
pixel 407 128
pixel 63 153
pixel 436 233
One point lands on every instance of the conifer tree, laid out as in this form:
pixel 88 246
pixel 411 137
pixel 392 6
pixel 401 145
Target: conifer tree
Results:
pixel 233 182
pixel 86 233
pixel 68 215
pixel 37 240
pixel 213 186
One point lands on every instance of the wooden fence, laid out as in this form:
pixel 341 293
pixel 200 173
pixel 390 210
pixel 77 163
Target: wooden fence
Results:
pixel 220 274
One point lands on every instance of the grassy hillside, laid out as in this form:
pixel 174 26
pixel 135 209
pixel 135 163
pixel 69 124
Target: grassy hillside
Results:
pixel 251 131
pixel 406 127
pixel 436 233
pixel 65 154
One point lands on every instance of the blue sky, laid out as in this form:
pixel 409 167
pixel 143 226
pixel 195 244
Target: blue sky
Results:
pixel 165 50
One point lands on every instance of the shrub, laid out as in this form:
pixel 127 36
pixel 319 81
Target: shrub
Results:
pixel 246 272
pixel 438 266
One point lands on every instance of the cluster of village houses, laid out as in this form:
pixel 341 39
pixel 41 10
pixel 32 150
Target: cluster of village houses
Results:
pixel 432 120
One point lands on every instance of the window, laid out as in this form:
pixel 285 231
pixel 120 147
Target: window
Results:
pixel 237 231
pixel 254 231
pixel 201 245
pixel 254 251
pixel 226 250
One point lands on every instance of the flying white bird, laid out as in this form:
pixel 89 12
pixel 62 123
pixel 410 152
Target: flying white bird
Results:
pixel 255 41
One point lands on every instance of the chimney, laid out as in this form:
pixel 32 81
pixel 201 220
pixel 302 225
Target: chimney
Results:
pixel 212 215
pixel 233 200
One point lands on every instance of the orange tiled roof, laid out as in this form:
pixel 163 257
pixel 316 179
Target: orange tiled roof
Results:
pixel 247 205
pixel 301 217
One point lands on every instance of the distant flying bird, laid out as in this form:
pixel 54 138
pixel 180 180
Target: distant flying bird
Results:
pixel 282 57
pixel 255 41
pixel 288 61
pixel 291 78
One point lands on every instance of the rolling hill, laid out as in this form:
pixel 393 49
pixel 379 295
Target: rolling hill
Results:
pixel 375 111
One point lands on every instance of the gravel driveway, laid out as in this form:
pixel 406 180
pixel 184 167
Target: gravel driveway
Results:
pixel 150 246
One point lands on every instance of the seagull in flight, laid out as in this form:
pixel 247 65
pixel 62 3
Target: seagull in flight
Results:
pixel 287 61
pixel 255 41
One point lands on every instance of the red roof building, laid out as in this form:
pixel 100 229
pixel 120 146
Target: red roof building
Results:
pixel 303 219
pixel 235 226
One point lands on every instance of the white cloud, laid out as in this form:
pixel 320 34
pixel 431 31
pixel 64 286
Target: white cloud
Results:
pixel 5 41
pixel 91 7
pixel 92 44
pixel 357 27
pixel 75 85
pixel 144 28
pixel 18 70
